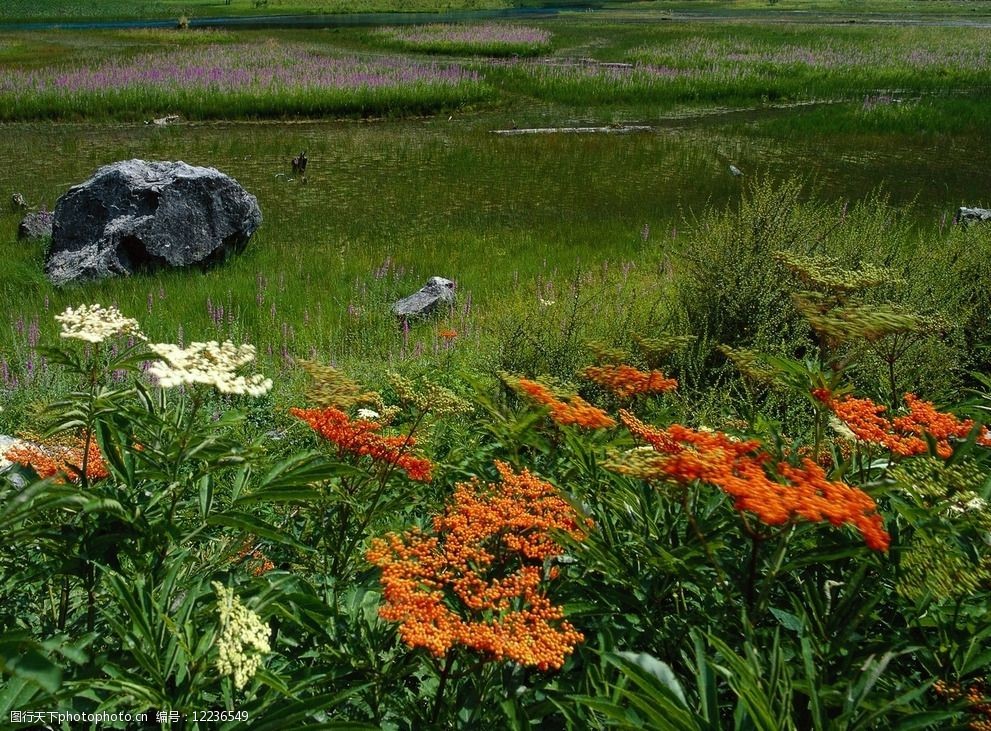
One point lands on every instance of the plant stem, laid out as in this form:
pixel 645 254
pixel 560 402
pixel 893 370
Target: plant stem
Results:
pixel 63 604
pixel 87 439
pixel 892 384
pixel 387 470
pixel 90 596
pixel 776 561
pixel 817 437
pixel 439 697
pixel 701 537
pixel 755 541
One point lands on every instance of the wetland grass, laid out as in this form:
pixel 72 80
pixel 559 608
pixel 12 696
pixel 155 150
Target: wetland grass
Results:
pixel 744 63
pixel 238 81
pixel 386 206
pixel 589 63
pixel 30 10
pixel 346 591
pixel 490 39
pixel 390 204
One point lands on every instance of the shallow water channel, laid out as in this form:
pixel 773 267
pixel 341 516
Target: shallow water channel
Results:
pixel 425 172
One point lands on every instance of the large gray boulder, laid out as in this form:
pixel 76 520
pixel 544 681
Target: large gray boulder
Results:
pixel 36 225
pixel 973 215
pixel 420 304
pixel 137 216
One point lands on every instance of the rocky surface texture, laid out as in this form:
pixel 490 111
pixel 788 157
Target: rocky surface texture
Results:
pixel 36 225
pixel 137 216
pixel 973 215
pixel 420 304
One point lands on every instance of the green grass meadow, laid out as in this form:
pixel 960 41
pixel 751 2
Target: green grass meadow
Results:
pixel 699 444
pixel 526 215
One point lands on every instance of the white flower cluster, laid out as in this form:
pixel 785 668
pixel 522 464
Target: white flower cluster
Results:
pixel 243 637
pixel 975 503
pixel 842 429
pixel 212 364
pixel 95 323
pixel 368 414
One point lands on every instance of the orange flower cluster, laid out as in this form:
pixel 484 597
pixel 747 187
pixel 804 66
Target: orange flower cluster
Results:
pixel 822 394
pixel 741 469
pixel 359 438
pixel 903 435
pixel 975 694
pixel 447 333
pixel 477 581
pixel 256 561
pixel 574 412
pixel 59 461
pixel 625 381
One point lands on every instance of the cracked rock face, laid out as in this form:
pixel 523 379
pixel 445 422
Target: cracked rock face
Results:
pixel 36 226
pixel 420 304
pixel 137 216
pixel 972 215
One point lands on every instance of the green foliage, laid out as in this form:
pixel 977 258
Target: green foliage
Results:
pixel 216 568
pixel 694 615
pixel 561 335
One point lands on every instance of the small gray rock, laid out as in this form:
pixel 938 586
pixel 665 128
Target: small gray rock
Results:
pixel 973 215
pixel 165 121
pixel 420 304
pixel 137 216
pixel 6 443
pixel 17 202
pixel 36 225
pixel 12 472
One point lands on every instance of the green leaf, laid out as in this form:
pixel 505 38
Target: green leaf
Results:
pixel 206 495
pixel 808 662
pixel 706 680
pixel 291 479
pixel 788 620
pixel 16 693
pixel 746 683
pixel 300 713
pixel 656 693
pixel 660 670
pixel 252 524
pixel 22 657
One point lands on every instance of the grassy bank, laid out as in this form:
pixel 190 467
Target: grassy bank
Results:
pixel 242 81
pixel 589 550
pixel 587 61
pixel 26 11
pixel 781 9
pixel 532 294
pixel 698 445
pixel 74 10
pixel 465 40
pixel 748 63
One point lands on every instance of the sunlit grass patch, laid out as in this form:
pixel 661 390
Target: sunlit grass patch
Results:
pixel 490 39
pixel 238 81
pixel 79 10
